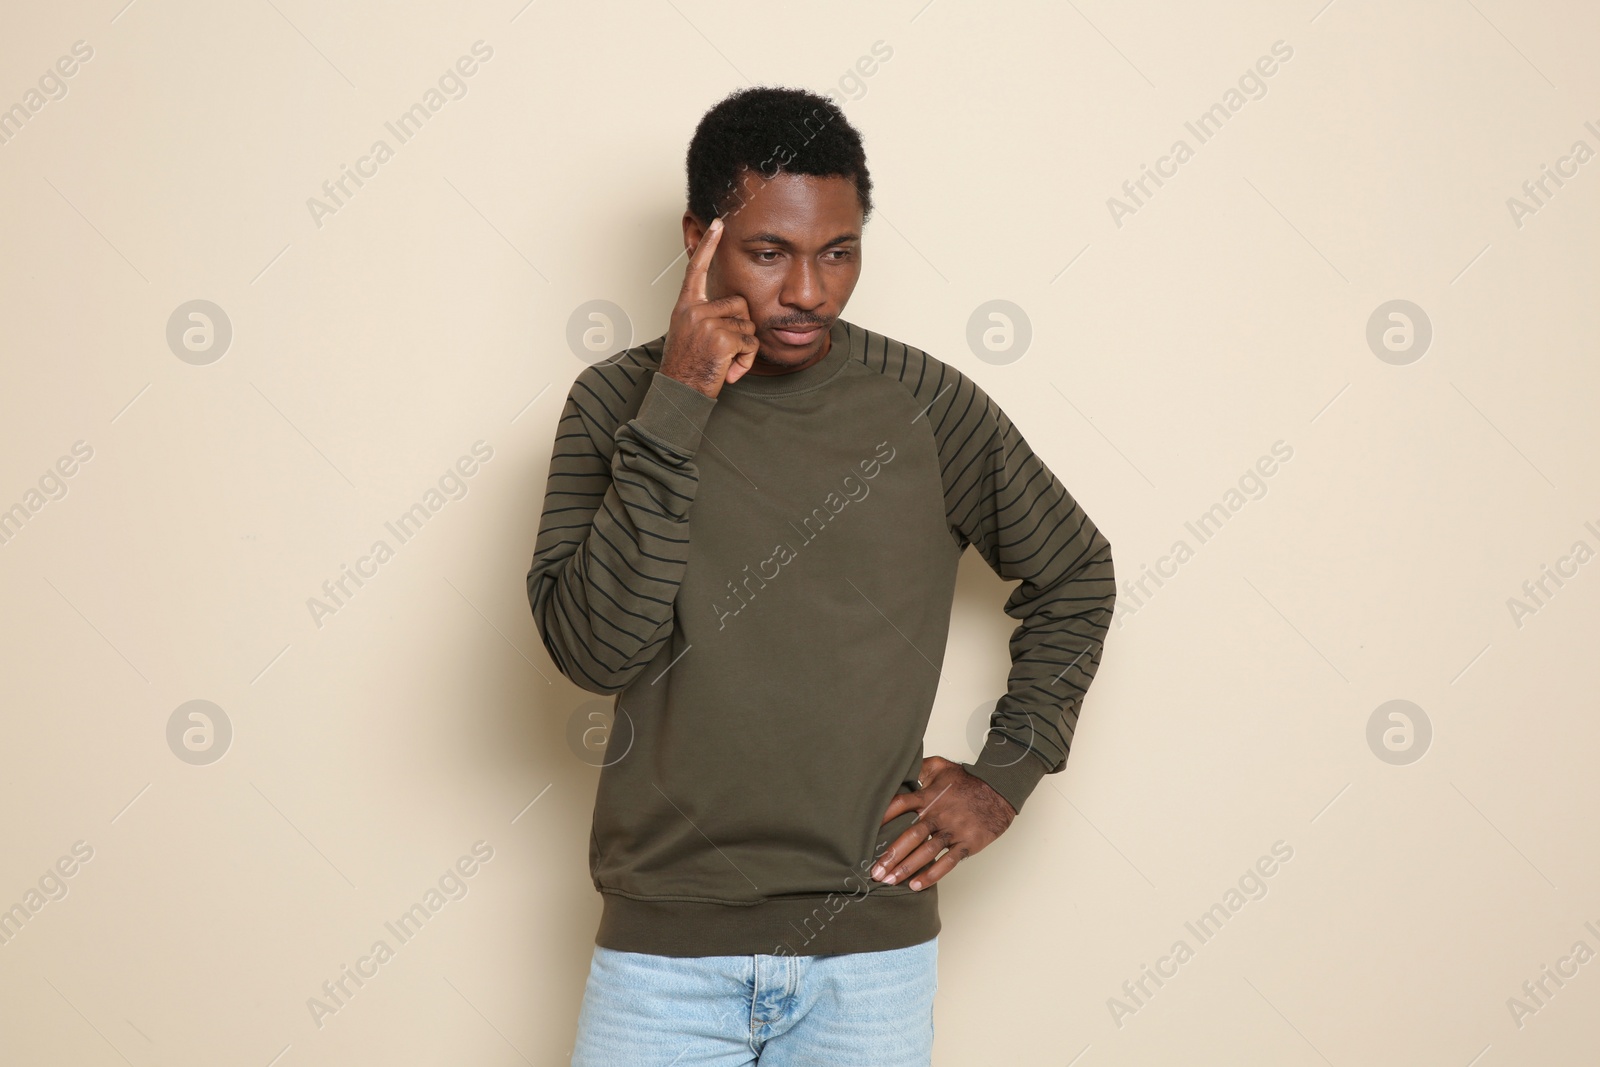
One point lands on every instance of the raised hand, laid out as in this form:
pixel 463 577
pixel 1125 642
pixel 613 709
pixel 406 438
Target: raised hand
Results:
pixel 709 342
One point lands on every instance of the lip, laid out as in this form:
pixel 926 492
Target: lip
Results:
pixel 797 338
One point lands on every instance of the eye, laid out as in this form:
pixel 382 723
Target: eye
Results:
pixel 763 253
pixel 839 254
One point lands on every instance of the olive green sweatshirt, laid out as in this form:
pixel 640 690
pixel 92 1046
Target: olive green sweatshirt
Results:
pixel 764 580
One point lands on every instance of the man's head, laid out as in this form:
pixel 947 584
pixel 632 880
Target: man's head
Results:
pixel 787 174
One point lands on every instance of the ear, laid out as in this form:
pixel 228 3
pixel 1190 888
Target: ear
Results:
pixel 693 231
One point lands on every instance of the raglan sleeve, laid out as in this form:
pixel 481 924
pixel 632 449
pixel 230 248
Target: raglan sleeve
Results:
pixel 613 537
pixel 1004 501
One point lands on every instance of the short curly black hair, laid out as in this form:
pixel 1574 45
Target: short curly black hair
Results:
pixel 763 130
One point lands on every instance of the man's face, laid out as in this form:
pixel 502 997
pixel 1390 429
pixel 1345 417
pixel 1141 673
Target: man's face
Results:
pixel 792 248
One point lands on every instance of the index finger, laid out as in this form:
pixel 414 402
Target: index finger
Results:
pixel 694 277
pixel 899 804
pixel 897 854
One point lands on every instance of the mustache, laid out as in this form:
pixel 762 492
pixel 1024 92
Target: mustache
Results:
pixel 797 324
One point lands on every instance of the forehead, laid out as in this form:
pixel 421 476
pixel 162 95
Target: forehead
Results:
pixel 794 205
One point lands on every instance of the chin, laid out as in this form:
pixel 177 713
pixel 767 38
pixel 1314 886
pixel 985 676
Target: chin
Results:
pixel 766 355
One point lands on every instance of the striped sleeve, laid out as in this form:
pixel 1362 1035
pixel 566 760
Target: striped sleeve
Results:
pixel 613 538
pixel 1002 499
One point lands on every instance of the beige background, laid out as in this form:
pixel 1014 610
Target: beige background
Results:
pixel 1227 313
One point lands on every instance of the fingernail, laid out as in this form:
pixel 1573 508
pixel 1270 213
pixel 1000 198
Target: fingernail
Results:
pixel 916 885
pixel 889 880
pixel 877 872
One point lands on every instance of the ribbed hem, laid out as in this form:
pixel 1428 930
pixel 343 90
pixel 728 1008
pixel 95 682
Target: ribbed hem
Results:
pixel 675 412
pixel 821 925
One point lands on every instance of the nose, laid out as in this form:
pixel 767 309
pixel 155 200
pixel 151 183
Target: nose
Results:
pixel 802 287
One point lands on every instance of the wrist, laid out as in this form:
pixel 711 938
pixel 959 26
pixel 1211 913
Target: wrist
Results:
pixel 696 379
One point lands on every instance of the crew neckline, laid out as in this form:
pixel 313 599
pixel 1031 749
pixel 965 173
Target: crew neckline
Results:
pixel 841 349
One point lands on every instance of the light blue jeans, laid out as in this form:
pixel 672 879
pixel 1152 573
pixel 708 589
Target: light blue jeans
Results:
pixel 858 1009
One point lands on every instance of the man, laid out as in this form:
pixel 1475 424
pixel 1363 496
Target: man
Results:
pixel 750 535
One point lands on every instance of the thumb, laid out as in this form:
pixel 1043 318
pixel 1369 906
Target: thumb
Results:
pixel 741 363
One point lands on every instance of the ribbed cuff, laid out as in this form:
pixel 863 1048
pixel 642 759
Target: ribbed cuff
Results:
pixel 1009 769
pixel 674 413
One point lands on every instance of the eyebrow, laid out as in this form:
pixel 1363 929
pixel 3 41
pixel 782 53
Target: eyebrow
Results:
pixel 774 239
